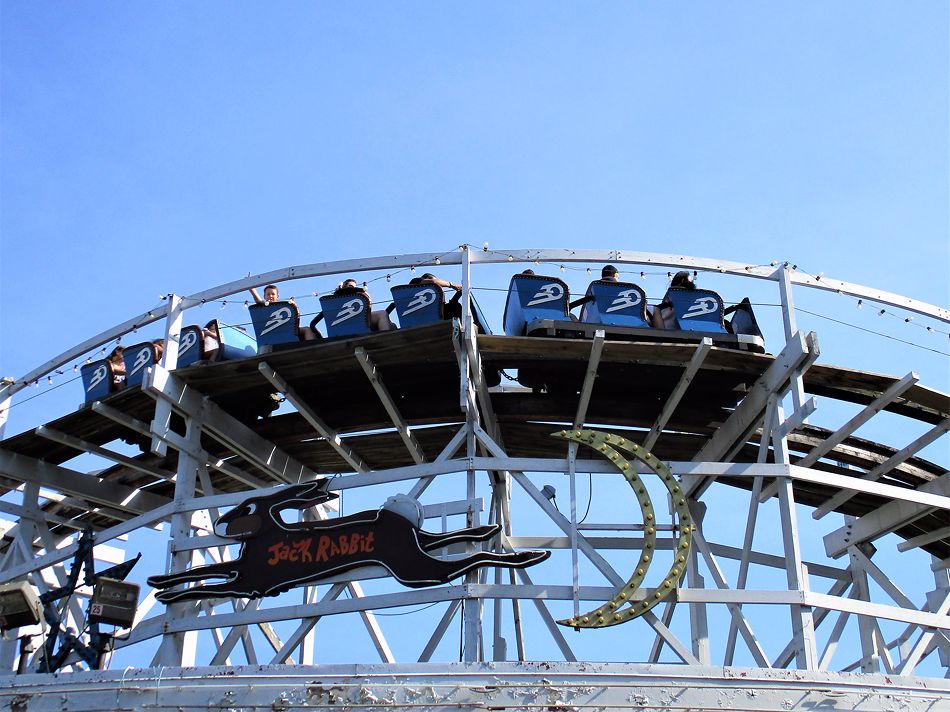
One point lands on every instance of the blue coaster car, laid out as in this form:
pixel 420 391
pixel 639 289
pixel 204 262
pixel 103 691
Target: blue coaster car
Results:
pixel 97 380
pixel 190 346
pixel 615 303
pixel 274 323
pixel 233 341
pixel 138 359
pixel 532 298
pixel 743 320
pixel 415 306
pixel 418 304
pixel 347 313
pixel 697 310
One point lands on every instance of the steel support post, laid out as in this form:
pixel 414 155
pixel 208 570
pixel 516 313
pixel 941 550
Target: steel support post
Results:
pixel 769 427
pixel 179 648
pixel 161 422
pixel 791 328
pixel 743 576
pixel 309 594
pixel 498 515
pixel 499 647
pixel 803 624
pixel 593 363
pixel 471 607
pixel 698 620
pixel 465 383
pixel 504 500
pixel 870 654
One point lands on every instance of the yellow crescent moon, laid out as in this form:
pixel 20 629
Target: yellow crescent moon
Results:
pixel 621 608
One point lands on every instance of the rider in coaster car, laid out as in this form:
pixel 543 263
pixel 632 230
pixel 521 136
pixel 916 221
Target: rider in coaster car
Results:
pixel 378 320
pixel 453 307
pixel 271 295
pixel 663 316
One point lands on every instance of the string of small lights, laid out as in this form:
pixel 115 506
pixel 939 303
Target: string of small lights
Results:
pixel 881 311
pixel 570 267
pixel 44 392
pixel 871 331
pixel 7 381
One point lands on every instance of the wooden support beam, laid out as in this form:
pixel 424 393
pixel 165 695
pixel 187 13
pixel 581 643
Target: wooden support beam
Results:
pixel 89 487
pixel 596 347
pixel 372 373
pixel 331 436
pixel 868 412
pixel 226 429
pixel 692 368
pixel 884 519
pixel 889 464
pixel 85 446
pixel 179 443
pixel 924 539
pixel 800 352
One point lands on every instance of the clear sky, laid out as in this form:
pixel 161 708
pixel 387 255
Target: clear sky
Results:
pixel 165 147
pixel 157 147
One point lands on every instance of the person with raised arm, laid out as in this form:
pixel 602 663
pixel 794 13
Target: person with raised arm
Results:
pixel 271 295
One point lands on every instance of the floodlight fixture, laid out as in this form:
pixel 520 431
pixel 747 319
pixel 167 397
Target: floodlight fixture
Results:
pixel 19 605
pixel 114 602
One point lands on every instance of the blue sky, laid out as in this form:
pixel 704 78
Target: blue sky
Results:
pixel 154 147
pixel 150 148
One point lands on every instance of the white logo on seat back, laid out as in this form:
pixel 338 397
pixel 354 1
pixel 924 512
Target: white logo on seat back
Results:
pixel 624 299
pixel 548 293
pixel 190 339
pixel 277 318
pixel 348 311
pixel 141 358
pixel 703 305
pixel 421 300
pixel 97 376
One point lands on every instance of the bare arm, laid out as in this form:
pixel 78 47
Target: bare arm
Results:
pixel 443 283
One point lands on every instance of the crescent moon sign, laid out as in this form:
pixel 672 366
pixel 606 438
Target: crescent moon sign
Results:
pixel 621 607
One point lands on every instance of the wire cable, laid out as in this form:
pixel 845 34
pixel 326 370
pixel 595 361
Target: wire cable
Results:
pixel 871 331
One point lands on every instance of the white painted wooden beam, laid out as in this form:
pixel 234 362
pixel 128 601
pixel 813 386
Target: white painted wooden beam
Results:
pixel 331 436
pixel 702 350
pixel 886 518
pixel 85 446
pixel 372 373
pixel 889 464
pixel 225 428
pixel 797 356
